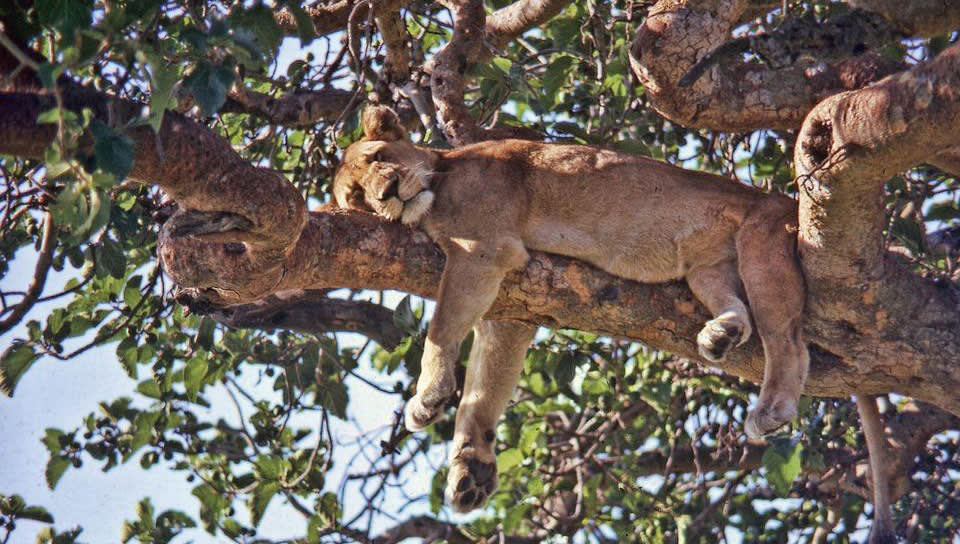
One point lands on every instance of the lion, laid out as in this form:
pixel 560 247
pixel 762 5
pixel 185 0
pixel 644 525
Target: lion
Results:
pixel 487 204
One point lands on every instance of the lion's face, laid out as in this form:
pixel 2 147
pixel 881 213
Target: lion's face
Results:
pixel 388 177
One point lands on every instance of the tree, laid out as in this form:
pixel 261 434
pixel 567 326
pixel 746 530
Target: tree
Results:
pixel 107 109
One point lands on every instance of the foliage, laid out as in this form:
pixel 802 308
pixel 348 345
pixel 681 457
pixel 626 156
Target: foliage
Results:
pixel 607 440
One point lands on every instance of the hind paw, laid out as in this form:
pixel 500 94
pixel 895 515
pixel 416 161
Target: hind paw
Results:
pixel 769 416
pixel 424 409
pixel 719 336
pixel 470 482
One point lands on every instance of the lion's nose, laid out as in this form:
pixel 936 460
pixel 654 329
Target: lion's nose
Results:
pixel 390 189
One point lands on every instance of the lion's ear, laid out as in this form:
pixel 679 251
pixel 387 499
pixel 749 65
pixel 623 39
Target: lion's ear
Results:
pixel 381 123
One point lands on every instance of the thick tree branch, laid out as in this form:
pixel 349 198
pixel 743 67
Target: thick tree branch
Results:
pixel 734 95
pixel 296 109
pixel 447 81
pixel 425 527
pixel 509 22
pixel 471 31
pixel 396 41
pixel 850 145
pixel 327 17
pixel 917 17
pixel 313 312
pixel 431 530
pixel 343 249
pixel 350 249
pixel 199 170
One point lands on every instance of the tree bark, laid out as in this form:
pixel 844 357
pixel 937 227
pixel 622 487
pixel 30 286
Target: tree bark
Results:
pixel 735 95
pixel 350 249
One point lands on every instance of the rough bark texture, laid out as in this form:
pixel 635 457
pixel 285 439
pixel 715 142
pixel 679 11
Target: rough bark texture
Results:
pixel 849 146
pixel 447 81
pixel 507 23
pixel 297 109
pixel 734 95
pixel 917 17
pixel 349 249
pixel 472 30
pixel 309 311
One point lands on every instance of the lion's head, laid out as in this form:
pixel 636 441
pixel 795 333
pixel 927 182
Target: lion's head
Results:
pixel 384 172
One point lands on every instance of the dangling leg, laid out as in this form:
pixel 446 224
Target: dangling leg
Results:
pixel 496 360
pixel 718 288
pixel 471 280
pixel 882 531
pixel 776 291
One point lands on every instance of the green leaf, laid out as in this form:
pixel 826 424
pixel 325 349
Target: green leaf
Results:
pixel 145 513
pixel 556 74
pixel 258 20
pixel 782 461
pixel 328 509
pixel 212 506
pixel 14 363
pixel 48 74
pixel 150 388
pixel 514 517
pixel 10 505
pixel 333 396
pixel 271 468
pixel 193 375
pixel 127 354
pixel 163 79
pixel 56 466
pixel 260 499
pixel 404 318
pixel 209 84
pixel 36 513
pixel 142 431
pixel 508 459
pixel 67 16
pixel 305 29
pixel 204 337
pixel 54 440
pixel 943 211
pixel 111 260
pixel 113 151
pixel 437 485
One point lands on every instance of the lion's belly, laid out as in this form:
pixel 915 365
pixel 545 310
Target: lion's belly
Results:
pixel 649 259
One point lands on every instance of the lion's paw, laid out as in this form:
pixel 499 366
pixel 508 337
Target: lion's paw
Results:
pixel 470 482
pixel 424 409
pixel 719 336
pixel 769 416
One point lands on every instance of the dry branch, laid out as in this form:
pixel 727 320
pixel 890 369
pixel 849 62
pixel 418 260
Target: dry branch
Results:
pixel 44 260
pixel 295 109
pixel 312 312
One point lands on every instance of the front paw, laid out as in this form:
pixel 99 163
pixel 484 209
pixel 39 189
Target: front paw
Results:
pixel 424 409
pixel 719 336
pixel 471 481
pixel 769 416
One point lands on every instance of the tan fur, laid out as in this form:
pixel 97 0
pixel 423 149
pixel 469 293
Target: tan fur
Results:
pixel 633 217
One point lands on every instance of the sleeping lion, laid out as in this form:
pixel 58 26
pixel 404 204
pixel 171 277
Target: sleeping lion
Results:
pixel 486 204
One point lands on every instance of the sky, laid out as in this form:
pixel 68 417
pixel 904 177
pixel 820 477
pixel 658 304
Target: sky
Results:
pixel 61 393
